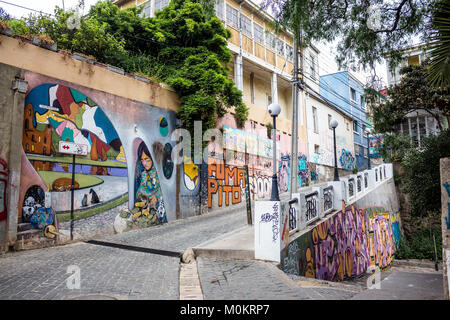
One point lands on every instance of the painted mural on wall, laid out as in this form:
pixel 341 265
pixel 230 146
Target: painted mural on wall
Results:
pixel 55 113
pixel 347 160
pixel 342 247
pixel 375 143
pixel 149 206
pixel 225 182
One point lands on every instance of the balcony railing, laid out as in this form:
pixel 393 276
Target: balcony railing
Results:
pixel 312 206
pixel 308 207
pixel 328 195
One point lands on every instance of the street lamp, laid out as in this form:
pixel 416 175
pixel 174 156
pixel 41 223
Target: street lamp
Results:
pixel 334 124
pixel 274 110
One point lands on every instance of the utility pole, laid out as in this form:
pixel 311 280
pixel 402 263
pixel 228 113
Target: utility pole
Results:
pixel 296 99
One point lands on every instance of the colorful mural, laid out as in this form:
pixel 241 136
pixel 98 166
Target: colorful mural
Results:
pixel 347 160
pixel 55 113
pixel 342 247
pixel 375 142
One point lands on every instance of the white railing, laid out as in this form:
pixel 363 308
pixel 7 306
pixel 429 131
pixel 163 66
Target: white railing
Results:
pixel 321 199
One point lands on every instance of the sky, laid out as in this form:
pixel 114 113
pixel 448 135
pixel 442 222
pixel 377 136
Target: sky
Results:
pixel 327 62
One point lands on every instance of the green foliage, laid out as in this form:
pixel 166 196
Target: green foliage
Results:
pixel 439 71
pixel 347 22
pixel 420 245
pixel 182 46
pixel 269 127
pixel 422 176
pixel 395 147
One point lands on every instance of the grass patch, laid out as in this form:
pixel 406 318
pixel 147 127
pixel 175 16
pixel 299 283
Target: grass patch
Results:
pixel 82 214
pixel 78 160
pixel 83 180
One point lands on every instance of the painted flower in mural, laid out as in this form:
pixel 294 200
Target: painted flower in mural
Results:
pixel 149 206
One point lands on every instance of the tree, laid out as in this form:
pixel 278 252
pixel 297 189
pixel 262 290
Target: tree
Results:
pixel 439 72
pixel 182 46
pixel 367 29
pixel 412 93
pixel 422 177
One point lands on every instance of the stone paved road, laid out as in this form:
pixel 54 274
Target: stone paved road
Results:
pixel 256 280
pixel 113 272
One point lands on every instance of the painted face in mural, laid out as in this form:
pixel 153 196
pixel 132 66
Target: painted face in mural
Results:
pixel 144 156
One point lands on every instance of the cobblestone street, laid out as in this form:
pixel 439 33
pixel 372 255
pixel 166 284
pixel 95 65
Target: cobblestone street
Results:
pixel 112 272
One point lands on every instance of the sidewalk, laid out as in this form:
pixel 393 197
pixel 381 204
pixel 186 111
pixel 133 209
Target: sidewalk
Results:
pixel 227 270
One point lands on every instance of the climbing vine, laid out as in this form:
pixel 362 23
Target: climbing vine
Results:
pixel 183 46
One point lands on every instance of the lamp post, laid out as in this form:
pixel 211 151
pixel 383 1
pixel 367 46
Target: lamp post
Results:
pixel 274 110
pixel 334 125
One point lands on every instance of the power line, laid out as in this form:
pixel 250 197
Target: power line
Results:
pixel 22 7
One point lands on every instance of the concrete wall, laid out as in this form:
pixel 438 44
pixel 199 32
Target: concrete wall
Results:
pixel 126 124
pixel 445 222
pixel 11 104
pixel 346 244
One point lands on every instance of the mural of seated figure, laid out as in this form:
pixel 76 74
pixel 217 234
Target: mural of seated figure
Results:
pixel 149 206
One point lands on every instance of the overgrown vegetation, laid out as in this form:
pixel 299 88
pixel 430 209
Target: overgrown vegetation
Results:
pixel 421 245
pixel 182 46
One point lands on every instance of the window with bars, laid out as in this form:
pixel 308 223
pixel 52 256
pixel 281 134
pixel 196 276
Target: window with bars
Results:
pixel 147 9
pixel 280 47
pixel 246 24
pixel 270 41
pixel 315 121
pixel 232 17
pixel 219 9
pixel 289 53
pixel 312 66
pixel 258 33
pixel 160 4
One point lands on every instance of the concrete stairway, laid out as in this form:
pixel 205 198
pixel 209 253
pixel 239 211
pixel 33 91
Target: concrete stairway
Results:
pixel 29 237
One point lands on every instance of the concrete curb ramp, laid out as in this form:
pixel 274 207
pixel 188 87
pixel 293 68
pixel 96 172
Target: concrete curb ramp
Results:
pixel 238 244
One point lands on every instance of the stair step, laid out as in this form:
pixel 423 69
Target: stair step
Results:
pixel 28 234
pixel 24 227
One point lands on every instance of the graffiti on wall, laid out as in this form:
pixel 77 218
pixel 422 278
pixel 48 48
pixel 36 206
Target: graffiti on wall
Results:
pixel 149 205
pixel 55 113
pixel 342 247
pixel 347 160
pixel 226 182
pixel 381 238
pixel 447 219
pixel 375 143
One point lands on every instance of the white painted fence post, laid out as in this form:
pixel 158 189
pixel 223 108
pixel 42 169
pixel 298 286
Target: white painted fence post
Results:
pixel 268 230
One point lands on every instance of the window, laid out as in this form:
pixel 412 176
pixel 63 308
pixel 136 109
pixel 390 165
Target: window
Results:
pixel 147 9
pixel 246 25
pixel 316 148
pixel 329 121
pixel 259 33
pixel 312 66
pixel 364 130
pixel 280 47
pixel 289 53
pixel 355 126
pixel 348 127
pixel 316 125
pixel 365 152
pixel 362 102
pixel 353 94
pixel 160 4
pixel 356 150
pixel 219 9
pixel 232 17
pixel 270 41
